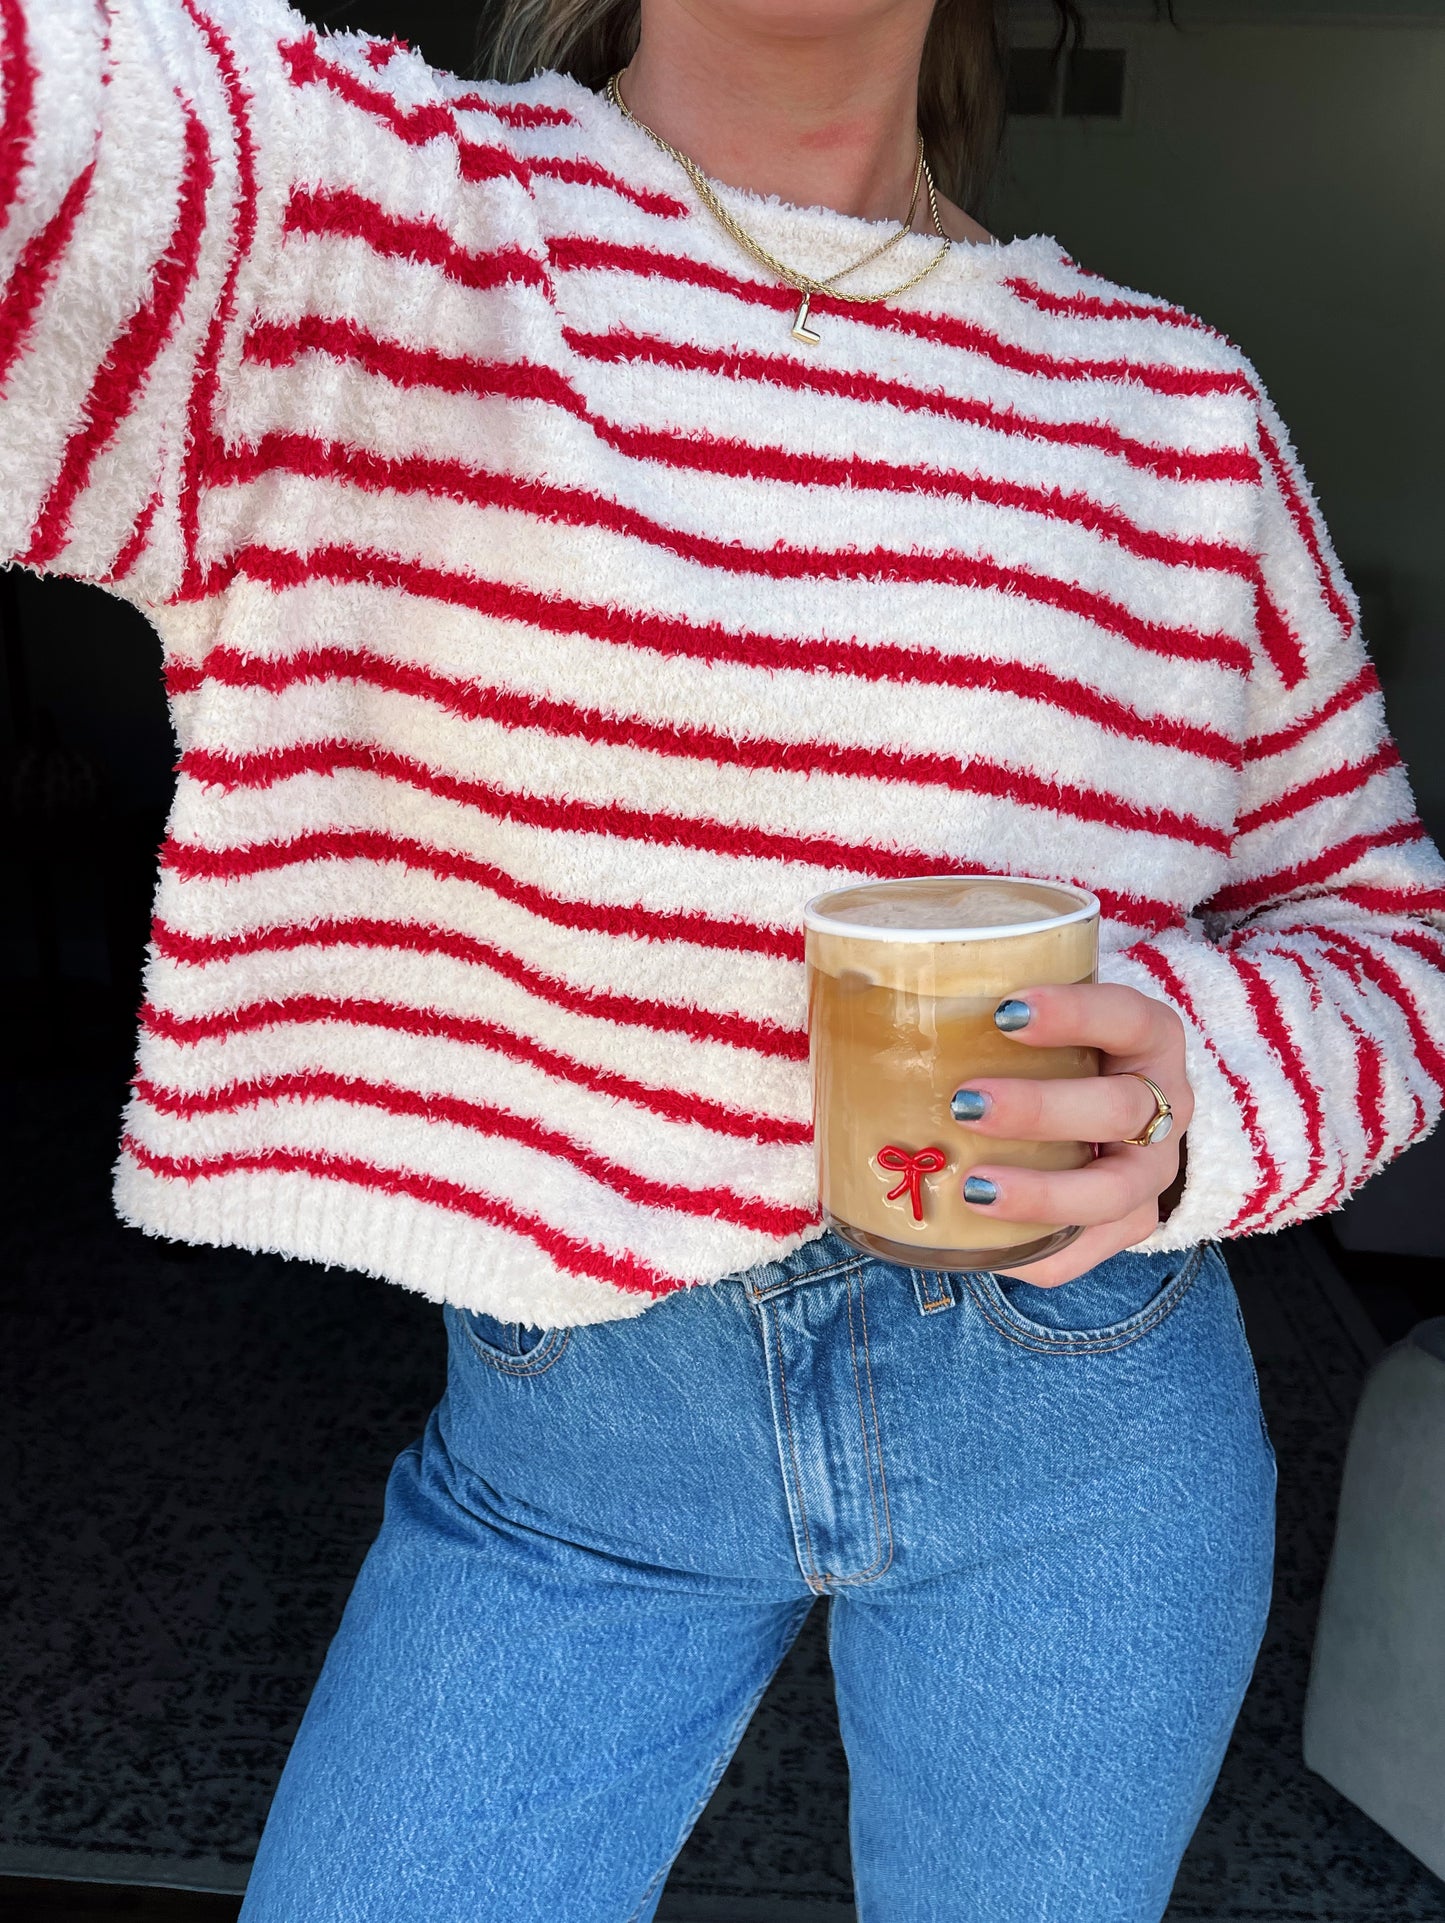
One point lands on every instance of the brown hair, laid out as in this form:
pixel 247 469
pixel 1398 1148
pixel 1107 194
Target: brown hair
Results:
pixel 961 86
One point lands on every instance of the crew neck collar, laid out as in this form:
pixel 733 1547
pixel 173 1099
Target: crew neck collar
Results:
pixel 814 240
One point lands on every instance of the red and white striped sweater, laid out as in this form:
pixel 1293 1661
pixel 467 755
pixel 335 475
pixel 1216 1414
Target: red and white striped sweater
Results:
pixel 543 625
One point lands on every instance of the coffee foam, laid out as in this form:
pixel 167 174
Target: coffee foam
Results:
pixel 947 902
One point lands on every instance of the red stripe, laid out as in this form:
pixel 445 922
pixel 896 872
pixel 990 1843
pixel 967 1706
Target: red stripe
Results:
pixel 277 343
pixel 672 1104
pixel 1282 647
pixel 568 506
pixel 1304 520
pixel 1277 1036
pixel 134 543
pixel 485 1118
pixel 362 932
pixel 433 120
pixel 629 920
pixel 342 212
pixel 126 367
pixel 1332 861
pixel 513 113
pixel 202 442
pixel 570 816
pixel 576 1258
pixel 1095 307
pixel 476 702
pixel 1372 965
pixel 1369 1076
pixel 1338 781
pixel 669 1018
pixel 1415 899
pixel 667 635
pixel 586 253
pixel 1361 685
pixel 18 76
pixel 776 370
pixel 1163 971
pixel 33 269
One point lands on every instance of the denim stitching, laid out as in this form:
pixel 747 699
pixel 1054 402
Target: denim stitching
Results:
pixel 883 1536
pixel 793 1453
pixel 844 1265
pixel 551 1346
pixel 932 1303
pixel 734 1737
pixel 1080 1342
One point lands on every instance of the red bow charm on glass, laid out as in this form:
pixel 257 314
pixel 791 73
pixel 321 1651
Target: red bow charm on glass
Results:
pixel 913 1168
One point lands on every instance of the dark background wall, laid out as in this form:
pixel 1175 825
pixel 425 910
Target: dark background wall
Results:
pixel 1278 167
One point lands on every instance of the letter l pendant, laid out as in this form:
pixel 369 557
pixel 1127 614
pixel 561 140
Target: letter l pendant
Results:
pixel 801 329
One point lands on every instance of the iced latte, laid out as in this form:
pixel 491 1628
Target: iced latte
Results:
pixel 903 981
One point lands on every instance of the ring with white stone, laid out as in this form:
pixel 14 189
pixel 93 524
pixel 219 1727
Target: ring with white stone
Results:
pixel 1160 1124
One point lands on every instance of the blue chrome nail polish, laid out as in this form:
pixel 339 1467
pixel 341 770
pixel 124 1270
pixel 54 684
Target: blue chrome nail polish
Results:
pixel 968 1105
pixel 979 1190
pixel 1012 1015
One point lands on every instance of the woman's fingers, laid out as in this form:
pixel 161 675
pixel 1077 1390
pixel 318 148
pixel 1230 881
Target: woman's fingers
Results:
pixel 1087 1250
pixel 1115 1187
pixel 1102 1015
pixel 1090 1108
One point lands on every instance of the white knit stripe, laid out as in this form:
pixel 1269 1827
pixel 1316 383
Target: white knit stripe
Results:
pixel 294 514
pixel 670 1059
pixel 64 54
pixel 262 621
pixel 670 400
pixel 761 985
pixel 679 502
pixel 382 306
pixel 793 805
pixel 676 1244
pixel 424 415
pixel 439 1254
pixel 252 723
pixel 734 702
pixel 1380 1016
pixel 627 1132
pixel 1280 536
pixel 612 297
pixel 572 867
pixel 106 273
pixel 1376 804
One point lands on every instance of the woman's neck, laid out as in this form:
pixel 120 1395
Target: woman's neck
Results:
pixel 815 103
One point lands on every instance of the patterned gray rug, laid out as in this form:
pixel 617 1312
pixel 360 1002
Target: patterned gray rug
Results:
pixel 193 1446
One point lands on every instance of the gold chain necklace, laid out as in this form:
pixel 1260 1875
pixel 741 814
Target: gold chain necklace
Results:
pixel 807 285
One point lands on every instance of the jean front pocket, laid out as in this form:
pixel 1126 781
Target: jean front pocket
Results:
pixel 1107 1307
pixel 513 1348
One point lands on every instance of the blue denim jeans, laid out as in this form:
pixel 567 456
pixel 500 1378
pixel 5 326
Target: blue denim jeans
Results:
pixel 1044 1519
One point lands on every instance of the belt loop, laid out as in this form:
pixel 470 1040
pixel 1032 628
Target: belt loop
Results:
pixel 934 1289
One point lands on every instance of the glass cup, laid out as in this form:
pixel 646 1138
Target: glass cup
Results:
pixel 903 980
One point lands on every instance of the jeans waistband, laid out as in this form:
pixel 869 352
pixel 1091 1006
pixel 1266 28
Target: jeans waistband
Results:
pixel 825 1256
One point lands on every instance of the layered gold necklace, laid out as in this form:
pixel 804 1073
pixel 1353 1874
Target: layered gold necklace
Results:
pixel 808 286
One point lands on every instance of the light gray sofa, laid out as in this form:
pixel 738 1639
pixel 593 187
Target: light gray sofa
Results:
pixel 1375 1714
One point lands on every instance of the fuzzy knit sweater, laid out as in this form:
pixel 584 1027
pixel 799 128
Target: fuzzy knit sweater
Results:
pixel 543 625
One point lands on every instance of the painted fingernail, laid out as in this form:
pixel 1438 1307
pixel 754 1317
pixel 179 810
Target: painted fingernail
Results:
pixel 979 1190
pixel 968 1105
pixel 1012 1015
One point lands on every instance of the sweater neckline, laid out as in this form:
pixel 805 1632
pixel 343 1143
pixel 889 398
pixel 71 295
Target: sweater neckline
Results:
pixel 816 240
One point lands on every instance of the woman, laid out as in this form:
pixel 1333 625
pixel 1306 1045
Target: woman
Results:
pixel 584 517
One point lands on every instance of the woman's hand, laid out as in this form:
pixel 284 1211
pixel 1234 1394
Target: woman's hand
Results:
pixel 1116 1197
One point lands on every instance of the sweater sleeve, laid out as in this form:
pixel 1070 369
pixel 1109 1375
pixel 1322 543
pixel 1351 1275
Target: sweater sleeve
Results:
pixel 1311 985
pixel 143 147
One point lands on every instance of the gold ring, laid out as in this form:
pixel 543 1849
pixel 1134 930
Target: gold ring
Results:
pixel 1160 1124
